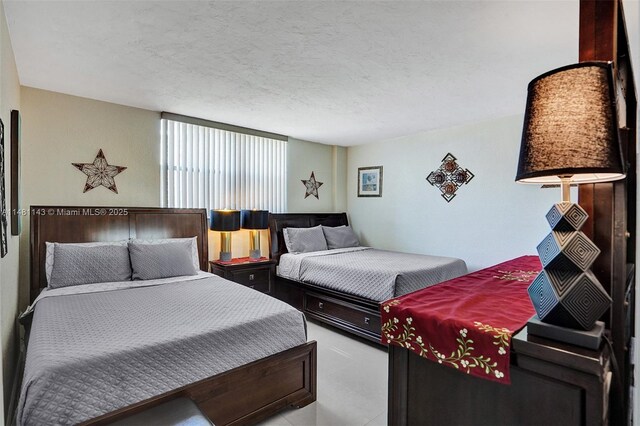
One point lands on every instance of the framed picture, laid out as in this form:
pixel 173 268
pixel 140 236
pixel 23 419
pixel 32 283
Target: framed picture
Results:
pixel 370 181
pixel 15 173
pixel 3 214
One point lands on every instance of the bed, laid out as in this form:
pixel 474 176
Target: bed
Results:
pixel 344 287
pixel 100 352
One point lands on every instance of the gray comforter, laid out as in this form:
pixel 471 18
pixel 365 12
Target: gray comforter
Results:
pixel 374 274
pixel 92 353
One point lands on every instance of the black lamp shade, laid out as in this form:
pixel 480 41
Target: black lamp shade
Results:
pixel 571 127
pixel 255 219
pixel 224 220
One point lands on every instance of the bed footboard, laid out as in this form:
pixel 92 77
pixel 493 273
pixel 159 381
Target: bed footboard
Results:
pixel 246 394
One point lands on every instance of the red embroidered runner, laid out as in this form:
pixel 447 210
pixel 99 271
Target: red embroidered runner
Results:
pixel 467 322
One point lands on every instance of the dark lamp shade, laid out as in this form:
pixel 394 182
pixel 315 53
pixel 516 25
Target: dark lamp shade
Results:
pixel 571 127
pixel 255 219
pixel 225 220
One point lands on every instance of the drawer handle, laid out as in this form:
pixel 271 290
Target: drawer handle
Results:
pixel 251 277
pixel 320 305
pixel 366 320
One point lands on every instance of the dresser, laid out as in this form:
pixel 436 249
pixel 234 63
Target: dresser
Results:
pixel 551 384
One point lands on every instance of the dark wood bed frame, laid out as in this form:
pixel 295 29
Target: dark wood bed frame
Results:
pixel 244 395
pixel 356 315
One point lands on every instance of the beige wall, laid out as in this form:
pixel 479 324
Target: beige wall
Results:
pixel 304 157
pixel 9 99
pixel 58 130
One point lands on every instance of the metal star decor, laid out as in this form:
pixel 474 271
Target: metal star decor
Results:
pixel 312 186
pixel 99 173
pixel 449 177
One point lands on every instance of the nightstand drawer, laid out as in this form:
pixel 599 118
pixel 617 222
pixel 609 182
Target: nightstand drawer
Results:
pixel 254 278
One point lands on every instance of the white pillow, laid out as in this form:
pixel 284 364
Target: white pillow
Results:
pixel 50 250
pixel 194 247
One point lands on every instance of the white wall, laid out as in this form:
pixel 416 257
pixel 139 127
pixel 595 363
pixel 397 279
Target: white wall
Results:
pixel 632 19
pixel 9 99
pixel 492 218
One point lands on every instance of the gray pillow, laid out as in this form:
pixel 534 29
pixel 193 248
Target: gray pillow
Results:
pixel 75 264
pixel 304 240
pixel 192 240
pixel 340 237
pixel 50 248
pixel 152 261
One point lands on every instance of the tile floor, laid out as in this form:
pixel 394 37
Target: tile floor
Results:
pixel 352 384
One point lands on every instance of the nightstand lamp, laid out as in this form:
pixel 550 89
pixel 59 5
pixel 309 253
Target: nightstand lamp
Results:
pixel 225 222
pixel 255 220
pixel 570 134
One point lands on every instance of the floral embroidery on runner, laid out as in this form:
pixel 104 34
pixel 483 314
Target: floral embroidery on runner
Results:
pixel 518 275
pixel 502 336
pixel 462 358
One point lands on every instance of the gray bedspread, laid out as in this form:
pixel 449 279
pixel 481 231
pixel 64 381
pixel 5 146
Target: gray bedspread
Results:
pixel 92 353
pixel 374 274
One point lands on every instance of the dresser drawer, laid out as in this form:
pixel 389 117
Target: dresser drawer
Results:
pixel 340 311
pixel 258 279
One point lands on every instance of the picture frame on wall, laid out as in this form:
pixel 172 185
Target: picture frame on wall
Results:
pixel 3 213
pixel 370 181
pixel 16 124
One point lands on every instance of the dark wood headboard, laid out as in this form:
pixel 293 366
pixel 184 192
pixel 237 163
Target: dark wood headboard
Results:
pixel 279 221
pixel 66 224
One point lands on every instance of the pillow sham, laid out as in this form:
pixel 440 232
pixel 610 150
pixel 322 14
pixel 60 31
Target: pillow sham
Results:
pixel 304 240
pixel 161 260
pixel 76 264
pixel 340 237
pixel 193 244
pixel 50 251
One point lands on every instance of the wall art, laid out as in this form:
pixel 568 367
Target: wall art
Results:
pixel 311 186
pixel 99 173
pixel 449 177
pixel 16 217
pixel 3 215
pixel 370 181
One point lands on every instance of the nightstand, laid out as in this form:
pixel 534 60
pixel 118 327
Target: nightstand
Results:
pixel 258 274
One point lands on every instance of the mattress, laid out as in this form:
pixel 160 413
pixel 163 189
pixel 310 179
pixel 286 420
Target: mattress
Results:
pixel 99 347
pixel 370 273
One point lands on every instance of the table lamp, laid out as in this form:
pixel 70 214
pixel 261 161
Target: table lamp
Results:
pixel 225 221
pixel 254 220
pixel 570 134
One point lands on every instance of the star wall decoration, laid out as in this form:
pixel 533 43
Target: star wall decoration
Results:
pixel 312 186
pixel 99 173
pixel 449 177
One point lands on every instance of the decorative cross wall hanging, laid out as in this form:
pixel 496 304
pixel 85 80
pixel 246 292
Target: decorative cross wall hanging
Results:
pixel 449 177
pixel 312 186
pixel 99 173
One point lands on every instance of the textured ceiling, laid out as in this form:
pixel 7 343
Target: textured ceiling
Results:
pixel 333 72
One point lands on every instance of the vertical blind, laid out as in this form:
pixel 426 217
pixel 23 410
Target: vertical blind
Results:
pixel 216 168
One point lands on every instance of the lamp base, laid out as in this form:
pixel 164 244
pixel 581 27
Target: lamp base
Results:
pixel 590 339
pixel 225 256
pixel 254 254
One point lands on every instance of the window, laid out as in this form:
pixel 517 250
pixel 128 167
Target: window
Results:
pixel 217 166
